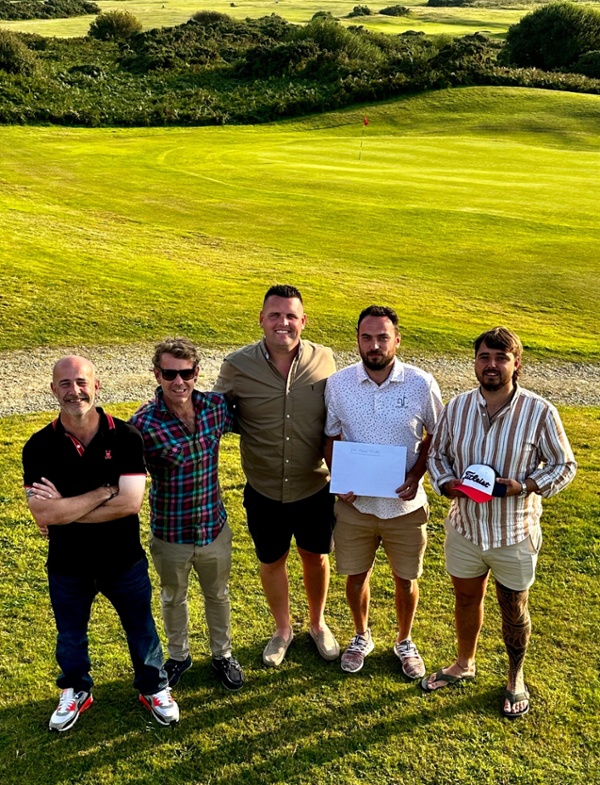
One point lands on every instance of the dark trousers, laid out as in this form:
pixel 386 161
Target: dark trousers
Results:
pixel 130 594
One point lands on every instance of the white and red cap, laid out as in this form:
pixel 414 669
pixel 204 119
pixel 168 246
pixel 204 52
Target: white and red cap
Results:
pixel 479 483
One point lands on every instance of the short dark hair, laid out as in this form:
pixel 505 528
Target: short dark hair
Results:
pixel 283 290
pixel 181 348
pixel 379 310
pixel 501 338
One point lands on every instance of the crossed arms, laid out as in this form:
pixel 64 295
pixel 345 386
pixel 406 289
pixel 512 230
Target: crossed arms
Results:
pixel 105 503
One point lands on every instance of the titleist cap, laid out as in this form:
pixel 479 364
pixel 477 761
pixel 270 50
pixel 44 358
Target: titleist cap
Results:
pixel 479 483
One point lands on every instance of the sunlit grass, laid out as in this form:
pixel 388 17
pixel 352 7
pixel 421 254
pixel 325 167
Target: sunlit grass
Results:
pixel 307 722
pixel 460 208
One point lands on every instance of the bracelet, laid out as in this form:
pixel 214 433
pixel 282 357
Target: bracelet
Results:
pixel 523 492
pixel 112 493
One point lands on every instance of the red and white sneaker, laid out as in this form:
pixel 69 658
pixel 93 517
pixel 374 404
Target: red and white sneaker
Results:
pixel 162 707
pixel 70 706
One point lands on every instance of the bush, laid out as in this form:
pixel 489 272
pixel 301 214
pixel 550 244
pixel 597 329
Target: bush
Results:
pixel 115 26
pixel 446 3
pixel 360 10
pixel 15 57
pixel 588 65
pixel 554 36
pixel 210 17
pixel 395 10
pixel 46 9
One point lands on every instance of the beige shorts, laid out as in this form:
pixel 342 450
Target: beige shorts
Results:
pixel 357 537
pixel 512 565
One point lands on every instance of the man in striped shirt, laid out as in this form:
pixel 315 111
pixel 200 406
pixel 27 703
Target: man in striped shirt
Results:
pixel 519 435
pixel 182 429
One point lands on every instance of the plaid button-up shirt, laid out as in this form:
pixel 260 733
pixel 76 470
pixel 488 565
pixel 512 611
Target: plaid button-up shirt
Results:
pixel 185 497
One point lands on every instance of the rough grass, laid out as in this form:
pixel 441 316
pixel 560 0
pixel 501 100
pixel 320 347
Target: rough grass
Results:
pixel 460 208
pixel 307 722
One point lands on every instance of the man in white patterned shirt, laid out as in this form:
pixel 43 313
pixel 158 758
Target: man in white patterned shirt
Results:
pixel 382 401
pixel 520 435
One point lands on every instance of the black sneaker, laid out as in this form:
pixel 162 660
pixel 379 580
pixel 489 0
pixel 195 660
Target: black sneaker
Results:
pixel 229 672
pixel 176 668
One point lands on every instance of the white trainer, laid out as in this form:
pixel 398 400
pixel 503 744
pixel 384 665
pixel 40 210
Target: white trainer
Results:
pixel 70 706
pixel 162 707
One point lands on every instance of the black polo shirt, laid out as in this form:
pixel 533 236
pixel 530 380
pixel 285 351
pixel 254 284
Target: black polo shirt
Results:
pixel 88 548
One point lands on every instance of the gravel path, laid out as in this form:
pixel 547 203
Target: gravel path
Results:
pixel 125 373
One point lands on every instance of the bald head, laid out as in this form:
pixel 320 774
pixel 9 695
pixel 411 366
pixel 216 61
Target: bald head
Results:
pixel 74 385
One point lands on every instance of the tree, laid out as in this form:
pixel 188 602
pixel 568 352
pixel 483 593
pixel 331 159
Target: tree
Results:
pixel 553 36
pixel 115 26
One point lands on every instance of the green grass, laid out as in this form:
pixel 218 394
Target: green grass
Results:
pixel 307 722
pixel 466 208
pixel 453 21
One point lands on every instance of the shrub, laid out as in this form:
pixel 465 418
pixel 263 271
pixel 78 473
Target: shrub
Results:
pixel 15 57
pixel 446 3
pixel 210 17
pixel 554 36
pixel 360 10
pixel 588 64
pixel 115 26
pixel 395 10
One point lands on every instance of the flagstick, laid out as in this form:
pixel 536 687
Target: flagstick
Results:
pixel 362 136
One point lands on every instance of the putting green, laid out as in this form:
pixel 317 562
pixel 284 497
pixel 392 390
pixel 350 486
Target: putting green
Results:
pixel 460 208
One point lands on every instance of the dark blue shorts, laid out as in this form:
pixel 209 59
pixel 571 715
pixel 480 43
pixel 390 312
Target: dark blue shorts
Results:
pixel 272 524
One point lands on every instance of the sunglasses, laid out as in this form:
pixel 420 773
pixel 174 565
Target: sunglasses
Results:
pixel 169 375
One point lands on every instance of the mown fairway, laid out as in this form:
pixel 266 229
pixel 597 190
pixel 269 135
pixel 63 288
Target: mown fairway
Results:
pixel 466 208
pixel 308 723
pixel 493 21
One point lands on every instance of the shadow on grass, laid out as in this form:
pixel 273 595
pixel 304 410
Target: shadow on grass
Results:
pixel 295 719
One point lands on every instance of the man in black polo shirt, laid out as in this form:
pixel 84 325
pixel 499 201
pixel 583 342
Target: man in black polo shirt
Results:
pixel 85 478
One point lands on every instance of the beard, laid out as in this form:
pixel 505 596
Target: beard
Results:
pixel 377 362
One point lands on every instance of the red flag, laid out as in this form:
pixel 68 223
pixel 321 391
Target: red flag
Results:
pixel 365 120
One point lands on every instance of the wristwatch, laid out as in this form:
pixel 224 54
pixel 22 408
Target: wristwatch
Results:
pixel 523 491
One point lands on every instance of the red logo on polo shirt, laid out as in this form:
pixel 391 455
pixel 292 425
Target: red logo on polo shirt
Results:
pixel 107 455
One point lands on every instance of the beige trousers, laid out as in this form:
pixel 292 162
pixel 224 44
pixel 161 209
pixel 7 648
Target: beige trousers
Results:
pixel 212 563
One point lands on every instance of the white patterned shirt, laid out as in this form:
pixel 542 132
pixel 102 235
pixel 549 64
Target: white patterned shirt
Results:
pixel 399 411
pixel 526 439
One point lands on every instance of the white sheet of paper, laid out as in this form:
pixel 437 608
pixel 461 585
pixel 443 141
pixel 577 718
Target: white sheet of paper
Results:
pixel 367 469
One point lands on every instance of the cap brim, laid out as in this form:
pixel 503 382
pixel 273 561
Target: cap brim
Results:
pixel 473 493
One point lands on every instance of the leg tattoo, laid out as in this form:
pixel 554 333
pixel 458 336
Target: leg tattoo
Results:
pixel 516 627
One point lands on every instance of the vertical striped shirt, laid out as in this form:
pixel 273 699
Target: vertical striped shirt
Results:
pixel 185 496
pixel 526 439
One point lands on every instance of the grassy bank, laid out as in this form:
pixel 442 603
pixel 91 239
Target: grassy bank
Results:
pixel 307 722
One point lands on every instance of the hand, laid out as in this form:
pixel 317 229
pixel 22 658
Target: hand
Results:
pixel 347 498
pixel 408 490
pixel 43 531
pixel 513 487
pixel 46 490
pixel 450 492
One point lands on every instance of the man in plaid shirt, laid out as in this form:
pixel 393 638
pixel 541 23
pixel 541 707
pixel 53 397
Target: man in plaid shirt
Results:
pixel 182 428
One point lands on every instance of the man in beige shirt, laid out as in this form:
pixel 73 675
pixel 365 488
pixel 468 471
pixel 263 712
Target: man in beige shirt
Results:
pixel 277 388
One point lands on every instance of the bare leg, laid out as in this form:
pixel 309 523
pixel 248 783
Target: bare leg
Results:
pixel 468 614
pixel 274 580
pixel 407 599
pixel 358 594
pixel 315 568
pixel 516 631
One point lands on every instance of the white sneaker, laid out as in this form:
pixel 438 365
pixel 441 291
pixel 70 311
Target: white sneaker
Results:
pixel 162 707
pixel 70 706
pixel 359 647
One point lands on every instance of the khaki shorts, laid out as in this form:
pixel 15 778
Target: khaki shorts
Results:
pixel 357 537
pixel 511 565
